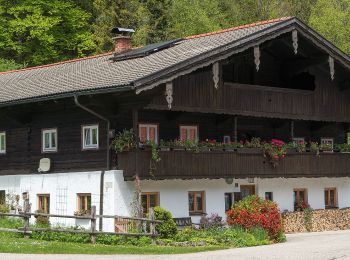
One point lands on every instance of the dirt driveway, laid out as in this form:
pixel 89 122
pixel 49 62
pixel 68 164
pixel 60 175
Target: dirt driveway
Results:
pixel 325 245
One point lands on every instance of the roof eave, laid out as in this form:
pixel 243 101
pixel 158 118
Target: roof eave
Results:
pixel 67 95
pixel 222 52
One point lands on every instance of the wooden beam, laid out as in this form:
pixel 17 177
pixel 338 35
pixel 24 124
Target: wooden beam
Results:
pixel 135 122
pixel 235 132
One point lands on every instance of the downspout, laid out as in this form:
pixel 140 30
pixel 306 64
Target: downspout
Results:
pixel 107 156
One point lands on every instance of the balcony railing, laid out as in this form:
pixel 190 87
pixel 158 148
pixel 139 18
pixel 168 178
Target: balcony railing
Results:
pixel 242 163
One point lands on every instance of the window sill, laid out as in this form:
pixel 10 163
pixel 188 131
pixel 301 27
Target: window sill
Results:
pixel 197 214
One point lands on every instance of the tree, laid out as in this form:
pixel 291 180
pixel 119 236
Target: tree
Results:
pixel 110 14
pixel 331 18
pixel 6 65
pixel 39 32
pixel 188 17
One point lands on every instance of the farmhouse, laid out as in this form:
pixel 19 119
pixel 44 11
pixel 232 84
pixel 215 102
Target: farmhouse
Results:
pixel 210 112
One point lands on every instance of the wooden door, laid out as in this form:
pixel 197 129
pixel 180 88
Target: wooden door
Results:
pixel 247 190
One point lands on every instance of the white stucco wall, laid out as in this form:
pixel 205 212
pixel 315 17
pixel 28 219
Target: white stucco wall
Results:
pixel 119 194
pixel 63 189
pixel 174 193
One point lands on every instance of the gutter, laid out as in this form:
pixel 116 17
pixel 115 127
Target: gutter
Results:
pixel 76 101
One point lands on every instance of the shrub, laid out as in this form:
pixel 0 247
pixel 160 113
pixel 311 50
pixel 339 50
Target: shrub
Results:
pixel 124 141
pixel 213 221
pixel 41 221
pixel 168 228
pixel 252 212
pixel 4 208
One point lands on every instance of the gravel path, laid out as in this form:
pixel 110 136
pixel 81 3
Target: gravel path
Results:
pixel 324 245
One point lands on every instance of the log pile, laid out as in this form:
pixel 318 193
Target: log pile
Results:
pixel 321 220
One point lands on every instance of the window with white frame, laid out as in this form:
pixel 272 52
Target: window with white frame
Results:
pixel 49 140
pixel 298 140
pixel 327 144
pixel 148 132
pixel 90 137
pixel 2 142
pixel 188 132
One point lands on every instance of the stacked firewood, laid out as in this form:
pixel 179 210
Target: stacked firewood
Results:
pixel 321 220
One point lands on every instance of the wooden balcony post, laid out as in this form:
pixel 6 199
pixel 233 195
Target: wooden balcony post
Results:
pixel 235 132
pixel 291 130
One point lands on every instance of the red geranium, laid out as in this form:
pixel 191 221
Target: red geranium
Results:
pixel 254 211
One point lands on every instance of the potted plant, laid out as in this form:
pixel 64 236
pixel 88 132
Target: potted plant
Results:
pixel 296 147
pixel 191 145
pixel 253 146
pixel 343 148
pixel 207 145
pixel 275 150
pixel 326 148
pixel 232 146
pixel 82 212
pixel 124 141
pixel 314 148
pixel 178 145
pixel 165 145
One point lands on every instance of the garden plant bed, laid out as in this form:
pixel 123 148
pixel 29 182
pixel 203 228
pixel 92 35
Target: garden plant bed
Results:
pixel 213 234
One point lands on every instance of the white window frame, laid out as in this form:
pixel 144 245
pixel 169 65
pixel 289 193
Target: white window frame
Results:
pixel 148 126
pixel 3 151
pixel 188 128
pixel 91 145
pixel 327 140
pixel 50 132
pixel 297 140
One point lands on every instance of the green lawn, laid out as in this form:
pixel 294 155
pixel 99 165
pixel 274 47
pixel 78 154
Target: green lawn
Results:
pixel 31 246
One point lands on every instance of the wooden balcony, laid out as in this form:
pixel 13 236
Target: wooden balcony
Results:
pixel 225 164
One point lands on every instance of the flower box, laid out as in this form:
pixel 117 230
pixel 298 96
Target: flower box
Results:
pixel 249 150
pixel 292 151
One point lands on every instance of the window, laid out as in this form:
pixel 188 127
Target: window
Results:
pixel 300 199
pixel 228 201
pixel 148 132
pixel 330 198
pixel 188 132
pixel 247 190
pixel 226 139
pixel 196 202
pixel 2 142
pixel 327 144
pixel 49 140
pixel 149 200
pixel 269 195
pixel 84 201
pixel 44 203
pixel 298 140
pixel 90 137
pixel 2 197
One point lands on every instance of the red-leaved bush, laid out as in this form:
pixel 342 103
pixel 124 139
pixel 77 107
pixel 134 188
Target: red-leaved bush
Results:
pixel 254 211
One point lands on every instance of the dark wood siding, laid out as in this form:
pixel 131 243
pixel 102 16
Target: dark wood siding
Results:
pixel 191 165
pixel 23 150
pixel 195 92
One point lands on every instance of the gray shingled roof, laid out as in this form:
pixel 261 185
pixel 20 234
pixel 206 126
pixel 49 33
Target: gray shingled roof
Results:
pixel 100 73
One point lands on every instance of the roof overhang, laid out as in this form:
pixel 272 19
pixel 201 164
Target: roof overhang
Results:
pixel 225 51
pixel 71 94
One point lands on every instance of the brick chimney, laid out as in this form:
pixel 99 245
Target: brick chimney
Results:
pixel 122 40
pixel 122 44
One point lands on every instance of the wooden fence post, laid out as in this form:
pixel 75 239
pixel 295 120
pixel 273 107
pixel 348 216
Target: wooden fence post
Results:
pixel 93 224
pixel 152 225
pixel 26 210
